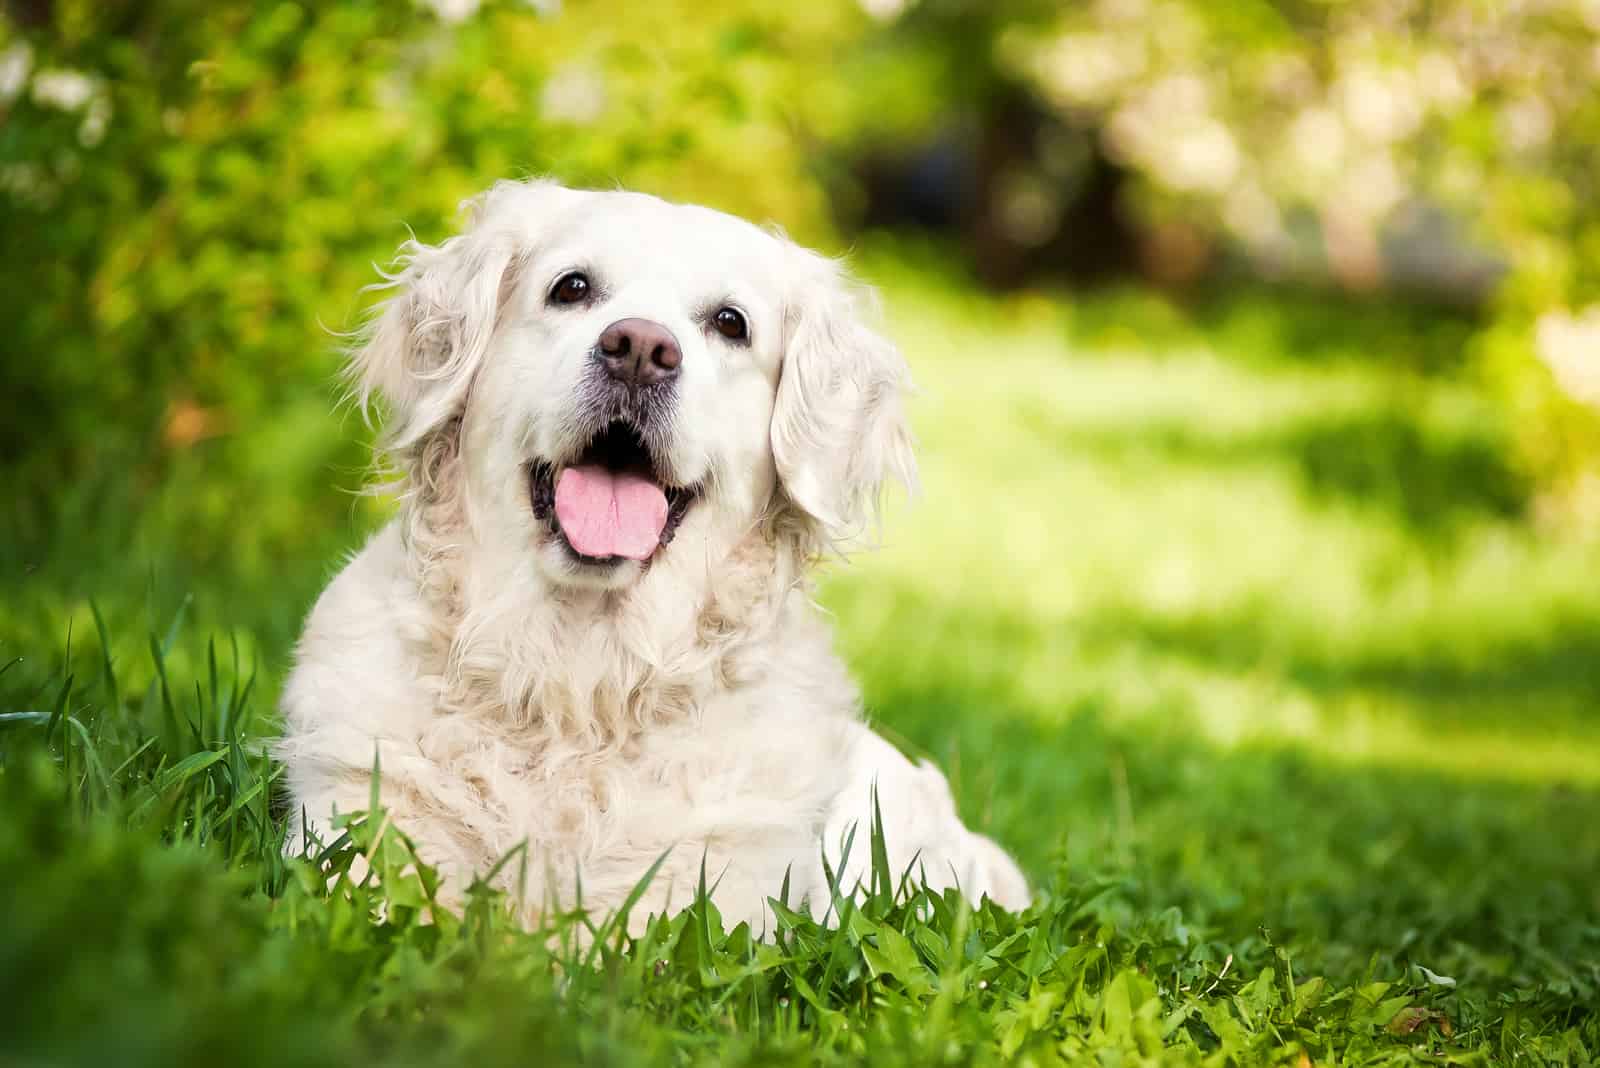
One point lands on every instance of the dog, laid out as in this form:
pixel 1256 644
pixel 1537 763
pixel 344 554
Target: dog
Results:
pixel 624 431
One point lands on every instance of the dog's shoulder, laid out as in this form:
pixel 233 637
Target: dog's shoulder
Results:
pixel 358 651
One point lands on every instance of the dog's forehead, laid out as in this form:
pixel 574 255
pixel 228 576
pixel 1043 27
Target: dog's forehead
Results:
pixel 638 232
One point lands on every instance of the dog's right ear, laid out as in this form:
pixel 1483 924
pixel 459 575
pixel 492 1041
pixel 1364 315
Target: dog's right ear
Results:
pixel 424 346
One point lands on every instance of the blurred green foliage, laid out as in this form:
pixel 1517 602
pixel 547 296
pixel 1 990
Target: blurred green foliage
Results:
pixel 193 195
pixel 1456 142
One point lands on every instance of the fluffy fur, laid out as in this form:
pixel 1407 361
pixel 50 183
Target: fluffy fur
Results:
pixel 514 693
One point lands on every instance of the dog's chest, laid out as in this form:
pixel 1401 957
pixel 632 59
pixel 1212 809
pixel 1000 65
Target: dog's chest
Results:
pixel 731 768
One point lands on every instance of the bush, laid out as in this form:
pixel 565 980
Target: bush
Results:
pixel 193 194
pixel 1320 139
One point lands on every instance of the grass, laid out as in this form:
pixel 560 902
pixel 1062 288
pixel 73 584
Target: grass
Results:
pixel 1229 619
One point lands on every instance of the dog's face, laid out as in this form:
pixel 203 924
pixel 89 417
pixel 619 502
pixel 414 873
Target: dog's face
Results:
pixel 629 393
pixel 630 378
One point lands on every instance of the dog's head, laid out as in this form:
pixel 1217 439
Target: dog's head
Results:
pixel 622 378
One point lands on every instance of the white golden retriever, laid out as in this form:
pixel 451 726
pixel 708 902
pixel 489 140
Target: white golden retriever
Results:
pixel 625 429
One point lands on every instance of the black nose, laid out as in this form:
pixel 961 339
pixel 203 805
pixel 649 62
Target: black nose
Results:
pixel 639 352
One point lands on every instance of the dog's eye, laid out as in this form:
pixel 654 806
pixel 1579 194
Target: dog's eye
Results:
pixel 730 324
pixel 571 288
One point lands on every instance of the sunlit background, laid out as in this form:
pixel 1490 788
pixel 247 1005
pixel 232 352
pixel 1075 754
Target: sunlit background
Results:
pixel 1258 554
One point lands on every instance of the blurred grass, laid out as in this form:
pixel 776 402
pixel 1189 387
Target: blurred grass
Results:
pixel 1274 628
pixel 1210 533
pixel 1249 618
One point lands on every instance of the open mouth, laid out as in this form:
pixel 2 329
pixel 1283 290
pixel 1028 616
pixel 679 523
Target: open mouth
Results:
pixel 610 504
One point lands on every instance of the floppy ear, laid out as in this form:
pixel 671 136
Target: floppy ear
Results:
pixel 423 348
pixel 838 429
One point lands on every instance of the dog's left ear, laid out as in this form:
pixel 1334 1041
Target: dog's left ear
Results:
pixel 839 432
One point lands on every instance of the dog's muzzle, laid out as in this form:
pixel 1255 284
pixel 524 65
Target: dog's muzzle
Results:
pixel 611 503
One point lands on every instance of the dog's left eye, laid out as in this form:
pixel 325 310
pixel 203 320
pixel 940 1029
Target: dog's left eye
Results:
pixel 730 323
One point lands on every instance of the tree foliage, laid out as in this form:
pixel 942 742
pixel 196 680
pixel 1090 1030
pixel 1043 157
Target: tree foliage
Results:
pixel 1455 143
pixel 194 193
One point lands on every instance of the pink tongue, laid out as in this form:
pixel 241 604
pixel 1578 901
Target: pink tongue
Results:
pixel 606 513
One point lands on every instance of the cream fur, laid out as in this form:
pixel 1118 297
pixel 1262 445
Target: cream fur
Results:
pixel 693 704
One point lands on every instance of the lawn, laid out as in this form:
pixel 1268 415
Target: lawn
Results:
pixel 1228 617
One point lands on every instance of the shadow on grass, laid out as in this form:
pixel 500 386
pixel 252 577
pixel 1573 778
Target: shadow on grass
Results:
pixel 1309 326
pixel 1487 880
pixel 1545 681
pixel 1267 326
pixel 1431 481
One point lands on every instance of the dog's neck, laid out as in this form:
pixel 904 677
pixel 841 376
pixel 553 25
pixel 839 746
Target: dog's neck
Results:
pixel 594 668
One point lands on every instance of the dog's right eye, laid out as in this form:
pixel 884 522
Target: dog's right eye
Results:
pixel 571 288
